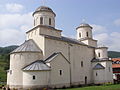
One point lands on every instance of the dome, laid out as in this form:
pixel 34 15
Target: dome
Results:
pixel 43 8
pixel 84 25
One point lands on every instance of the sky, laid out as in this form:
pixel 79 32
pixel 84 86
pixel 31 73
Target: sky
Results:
pixel 103 15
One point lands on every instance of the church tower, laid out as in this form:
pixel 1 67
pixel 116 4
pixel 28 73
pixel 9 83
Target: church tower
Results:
pixel 84 34
pixel 44 16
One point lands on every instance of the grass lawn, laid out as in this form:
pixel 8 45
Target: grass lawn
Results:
pixel 104 87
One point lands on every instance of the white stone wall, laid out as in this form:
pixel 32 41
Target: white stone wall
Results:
pixel 99 76
pixel 102 51
pixel 50 32
pixel 76 53
pixel 46 16
pixel 83 32
pixel 57 64
pixel 104 75
pixel 90 42
pixel 19 61
pixel 38 39
pixel 41 78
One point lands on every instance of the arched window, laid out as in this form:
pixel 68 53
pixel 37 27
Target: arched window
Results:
pixel 109 69
pixel 34 22
pixel 41 20
pixel 79 34
pixel 33 77
pixel 81 63
pixel 87 34
pixel 60 71
pixel 96 73
pixel 49 21
pixel 98 54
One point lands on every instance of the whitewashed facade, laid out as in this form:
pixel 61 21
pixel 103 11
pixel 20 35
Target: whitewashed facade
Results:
pixel 47 59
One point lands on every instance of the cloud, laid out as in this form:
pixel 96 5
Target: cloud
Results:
pixel 111 40
pixel 15 20
pixel 14 7
pixel 13 28
pixel 98 28
pixel 11 36
pixel 117 22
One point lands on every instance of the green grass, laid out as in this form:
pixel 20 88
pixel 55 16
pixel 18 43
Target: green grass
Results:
pixel 104 87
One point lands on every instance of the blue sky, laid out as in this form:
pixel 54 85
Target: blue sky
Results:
pixel 102 15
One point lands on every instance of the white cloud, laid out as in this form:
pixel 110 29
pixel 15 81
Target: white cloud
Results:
pixel 15 20
pixel 117 22
pixel 14 7
pixel 110 40
pixel 11 37
pixel 13 28
pixel 98 28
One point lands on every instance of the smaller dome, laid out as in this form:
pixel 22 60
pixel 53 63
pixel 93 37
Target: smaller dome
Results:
pixel 43 8
pixel 84 25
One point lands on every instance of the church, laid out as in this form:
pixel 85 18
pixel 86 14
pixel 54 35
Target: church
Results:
pixel 48 59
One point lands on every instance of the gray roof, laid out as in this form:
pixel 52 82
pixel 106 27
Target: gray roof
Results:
pixel 38 65
pixel 99 66
pixel 84 25
pixel 44 8
pixel 50 58
pixel 99 60
pixel 28 46
pixel 65 39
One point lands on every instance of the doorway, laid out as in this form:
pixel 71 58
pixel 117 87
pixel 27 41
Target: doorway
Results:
pixel 85 80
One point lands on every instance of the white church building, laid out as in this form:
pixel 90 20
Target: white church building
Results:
pixel 48 59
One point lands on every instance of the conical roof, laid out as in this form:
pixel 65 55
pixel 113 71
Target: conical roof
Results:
pixel 28 46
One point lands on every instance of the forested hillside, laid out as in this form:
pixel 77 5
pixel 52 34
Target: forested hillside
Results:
pixel 113 54
pixel 4 61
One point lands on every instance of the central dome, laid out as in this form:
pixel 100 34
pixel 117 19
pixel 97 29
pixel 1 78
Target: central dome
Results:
pixel 44 8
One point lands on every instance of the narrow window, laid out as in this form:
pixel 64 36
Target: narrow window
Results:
pixel 87 34
pixel 10 71
pixel 96 74
pixel 109 69
pixel 60 72
pixel 79 34
pixel 49 21
pixel 98 54
pixel 81 63
pixel 33 77
pixel 34 22
pixel 41 20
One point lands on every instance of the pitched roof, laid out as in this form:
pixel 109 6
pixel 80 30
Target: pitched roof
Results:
pixel 38 65
pixel 51 57
pixel 65 39
pixel 28 46
pixel 99 60
pixel 98 66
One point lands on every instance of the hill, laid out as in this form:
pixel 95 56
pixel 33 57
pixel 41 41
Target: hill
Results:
pixel 113 54
pixel 4 61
